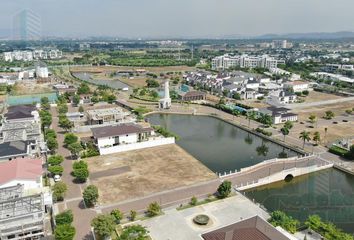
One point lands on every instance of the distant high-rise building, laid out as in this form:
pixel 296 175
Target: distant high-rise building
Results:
pixel 27 26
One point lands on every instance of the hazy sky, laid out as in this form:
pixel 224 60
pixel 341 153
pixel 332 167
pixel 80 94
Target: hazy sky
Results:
pixel 183 18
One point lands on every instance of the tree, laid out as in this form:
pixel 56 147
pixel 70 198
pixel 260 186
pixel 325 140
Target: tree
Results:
pixel 70 138
pixel 266 120
pixel 349 111
pixel 55 160
pixel 75 148
pixel 62 108
pixel 50 133
pixel 46 118
pixel 103 225
pixel 117 215
pixel 285 132
pixel 80 164
pixel 83 89
pixel 328 115
pixel 64 232
pixel 279 218
pixel 56 170
pixel 305 136
pixel 250 116
pixel 134 232
pixel 81 174
pixel 224 189
pixel 59 190
pixel 52 144
pixel 312 118
pixel 76 99
pixel 151 83
pixel 65 217
pixel 90 195
pixel 154 209
pixel 65 123
pixel 289 125
pixel 45 103
pixel 81 109
pixel 132 215
pixel 317 137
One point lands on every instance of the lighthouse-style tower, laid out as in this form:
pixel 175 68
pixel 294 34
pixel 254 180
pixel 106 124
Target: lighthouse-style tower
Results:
pixel 165 102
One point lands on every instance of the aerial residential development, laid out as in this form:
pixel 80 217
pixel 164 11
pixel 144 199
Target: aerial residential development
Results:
pixel 176 120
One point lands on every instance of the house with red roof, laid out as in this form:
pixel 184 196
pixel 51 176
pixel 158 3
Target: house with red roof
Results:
pixel 25 171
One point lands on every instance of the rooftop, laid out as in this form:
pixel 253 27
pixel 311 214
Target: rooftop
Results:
pixel 20 111
pixel 13 148
pixel 117 130
pixel 23 169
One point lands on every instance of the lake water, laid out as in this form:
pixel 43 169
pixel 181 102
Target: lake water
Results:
pixel 328 193
pixel 116 84
pixel 218 145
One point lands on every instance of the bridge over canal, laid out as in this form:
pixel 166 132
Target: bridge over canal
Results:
pixel 275 170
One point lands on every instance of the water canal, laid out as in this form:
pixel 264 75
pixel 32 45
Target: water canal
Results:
pixel 223 147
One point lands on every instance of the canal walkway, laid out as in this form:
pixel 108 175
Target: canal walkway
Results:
pixel 275 170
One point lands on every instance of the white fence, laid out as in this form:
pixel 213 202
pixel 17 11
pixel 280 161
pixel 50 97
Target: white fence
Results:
pixel 136 146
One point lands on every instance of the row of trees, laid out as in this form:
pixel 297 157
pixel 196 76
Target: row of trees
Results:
pixel 64 230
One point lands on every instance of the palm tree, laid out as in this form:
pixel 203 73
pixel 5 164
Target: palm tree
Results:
pixel 285 132
pixel 249 116
pixel 305 136
pixel 289 125
pixel 317 137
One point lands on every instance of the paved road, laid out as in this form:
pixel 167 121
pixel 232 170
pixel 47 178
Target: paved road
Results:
pixel 73 197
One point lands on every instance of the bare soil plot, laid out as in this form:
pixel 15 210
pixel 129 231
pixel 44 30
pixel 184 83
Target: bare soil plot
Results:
pixel 152 170
pixel 315 96
pixel 29 87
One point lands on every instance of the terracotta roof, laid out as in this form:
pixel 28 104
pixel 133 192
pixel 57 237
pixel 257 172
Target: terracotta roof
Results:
pixel 24 169
pixel 122 129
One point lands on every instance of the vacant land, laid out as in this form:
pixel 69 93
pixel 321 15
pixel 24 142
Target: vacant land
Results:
pixel 98 69
pixel 315 96
pixel 152 170
pixel 28 87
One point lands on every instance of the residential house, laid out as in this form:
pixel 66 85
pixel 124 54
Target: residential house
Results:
pixel 279 114
pixel 281 97
pixel 106 115
pixel 297 86
pixel 17 149
pixel 192 96
pixel 20 113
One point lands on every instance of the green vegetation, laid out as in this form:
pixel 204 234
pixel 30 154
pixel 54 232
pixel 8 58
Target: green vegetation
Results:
pixel 59 190
pixel 55 160
pixel 90 195
pixel 64 232
pixel 56 170
pixel 224 189
pixel 279 218
pixel 151 83
pixel 117 215
pixel 342 152
pixel 328 115
pixel 264 132
pixel 80 171
pixel 70 138
pixel 65 123
pixel 132 215
pixel 153 209
pixel 45 103
pixel 52 144
pixel 305 136
pixel 285 131
pixel 103 225
pixel 164 132
pixel 193 201
pixel 90 150
pixel 136 232
pixel 46 118
pixel 75 148
pixel 328 230
pixel 65 217
pixel 83 89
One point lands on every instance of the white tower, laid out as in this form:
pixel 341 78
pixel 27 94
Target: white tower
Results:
pixel 165 103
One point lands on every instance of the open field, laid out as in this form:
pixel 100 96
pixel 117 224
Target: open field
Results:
pixel 29 87
pixel 98 69
pixel 315 96
pixel 152 170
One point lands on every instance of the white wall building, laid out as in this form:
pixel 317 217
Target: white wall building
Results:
pixel 297 86
pixel 243 61
pixel 42 72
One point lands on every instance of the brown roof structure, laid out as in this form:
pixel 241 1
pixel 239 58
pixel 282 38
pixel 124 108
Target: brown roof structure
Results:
pixel 254 228
pixel 122 129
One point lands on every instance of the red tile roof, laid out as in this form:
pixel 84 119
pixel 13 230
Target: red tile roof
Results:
pixel 23 169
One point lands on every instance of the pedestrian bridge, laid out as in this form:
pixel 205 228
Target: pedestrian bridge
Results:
pixel 275 170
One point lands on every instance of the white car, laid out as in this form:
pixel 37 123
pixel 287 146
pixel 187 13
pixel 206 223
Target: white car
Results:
pixel 57 178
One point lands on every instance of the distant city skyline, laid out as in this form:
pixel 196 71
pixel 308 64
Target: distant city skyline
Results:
pixel 183 18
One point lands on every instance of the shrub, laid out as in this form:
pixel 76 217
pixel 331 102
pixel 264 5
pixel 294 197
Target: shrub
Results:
pixel 64 232
pixel 70 138
pixel 132 215
pixel 65 217
pixel 338 151
pixel 154 209
pixel 194 201
pixel 80 164
pixel 139 232
pixel 224 189
pixel 264 132
pixel 279 218
pixel 117 215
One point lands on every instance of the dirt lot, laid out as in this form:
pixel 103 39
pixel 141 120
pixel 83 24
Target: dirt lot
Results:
pixel 152 170
pixel 29 87
pixel 315 96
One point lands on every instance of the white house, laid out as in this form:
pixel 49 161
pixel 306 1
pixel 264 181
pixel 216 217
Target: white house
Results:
pixel 26 171
pixel 125 137
pixel 42 72
pixel 297 86
pixel 281 97
pixel 279 114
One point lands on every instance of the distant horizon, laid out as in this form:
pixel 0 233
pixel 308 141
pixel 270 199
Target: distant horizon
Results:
pixel 155 19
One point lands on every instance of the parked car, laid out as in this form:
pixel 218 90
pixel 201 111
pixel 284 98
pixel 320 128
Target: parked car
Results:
pixel 57 178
